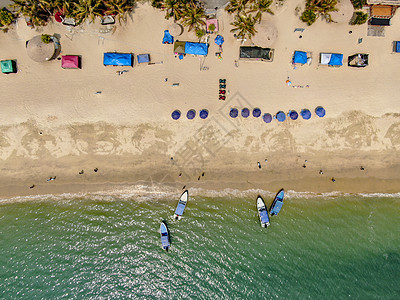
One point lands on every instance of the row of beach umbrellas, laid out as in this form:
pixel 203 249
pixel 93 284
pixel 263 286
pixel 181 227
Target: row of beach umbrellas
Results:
pixel 191 114
pixel 280 115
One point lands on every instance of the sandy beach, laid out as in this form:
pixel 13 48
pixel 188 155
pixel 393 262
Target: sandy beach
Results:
pixel 53 123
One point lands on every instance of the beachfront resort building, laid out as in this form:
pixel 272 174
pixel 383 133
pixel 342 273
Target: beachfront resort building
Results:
pixel 382 11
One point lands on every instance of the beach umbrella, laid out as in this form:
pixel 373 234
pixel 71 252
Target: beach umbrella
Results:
pixel 203 113
pixel 233 113
pixel 191 114
pixel 245 112
pixel 267 118
pixel 293 114
pixel 267 34
pixel 320 111
pixel 219 40
pixel 58 16
pixel 256 112
pixel 175 29
pixel 176 114
pixel 39 51
pixel 306 114
pixel 280 116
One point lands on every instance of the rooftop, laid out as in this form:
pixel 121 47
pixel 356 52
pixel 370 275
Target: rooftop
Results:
pixel 384 2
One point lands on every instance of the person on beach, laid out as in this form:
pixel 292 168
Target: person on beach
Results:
pixel 32 186
pixel 362 168
pixel 320 172
pixel 95 169
pixel 81 172
pixel 333 179
pixel 259 165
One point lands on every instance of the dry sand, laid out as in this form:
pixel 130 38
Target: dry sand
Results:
pixel 128 134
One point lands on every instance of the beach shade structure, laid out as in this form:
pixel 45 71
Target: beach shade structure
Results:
pixel 251 53
pixel 117 59
pixel 306 114
pixel 168 38
pixel 256 112
pixel 143 58
pixel 39 51
pixel 219 40
pixel 191 114
pixel 396 46
pixel 320 111
pixel 245 112
pixel 175 29
pixel 176 114
pixel 267 118
pixel 203 114
pixel 8 66
pixel 293 114
pixel 267 34
pixel 211 22
pixel 70 62
pixel 331 59
pixel 358 60
pixel 234 113
pixel 58 16
pixel 280 116
pixel 300 57
pixel 196 48
pixel 107 20
pixel 179 47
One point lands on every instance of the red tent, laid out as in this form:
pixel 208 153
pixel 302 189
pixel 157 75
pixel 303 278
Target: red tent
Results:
pixel 70 62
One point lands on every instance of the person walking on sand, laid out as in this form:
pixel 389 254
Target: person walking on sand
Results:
pixel 259 165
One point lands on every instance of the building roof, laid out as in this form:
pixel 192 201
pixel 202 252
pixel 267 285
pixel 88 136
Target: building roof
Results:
pixel 381 11
pixel 384 2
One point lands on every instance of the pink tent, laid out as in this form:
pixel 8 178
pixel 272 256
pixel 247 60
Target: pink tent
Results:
pixel 212 21
pixel 70 62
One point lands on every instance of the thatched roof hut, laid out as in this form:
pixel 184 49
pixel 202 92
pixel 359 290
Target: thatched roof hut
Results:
pixel 39 51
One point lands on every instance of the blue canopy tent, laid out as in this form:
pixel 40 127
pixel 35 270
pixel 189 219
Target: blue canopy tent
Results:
pixel 306 114
pixel 219 40
pixel 300 57
pixel 234 113
pixel 320 111
pixel 336 60
pixel 117 59
pixel 267 118
pixel 203 113
pixel 168 38
pixel 176 114
pixel 191 114
pixel 293 115
pixel 245 112
pixel 280 116
pixel 143 58
pixel 256 112
pixel 196 48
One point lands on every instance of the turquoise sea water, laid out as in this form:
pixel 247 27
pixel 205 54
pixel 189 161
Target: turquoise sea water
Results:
pixel 317 248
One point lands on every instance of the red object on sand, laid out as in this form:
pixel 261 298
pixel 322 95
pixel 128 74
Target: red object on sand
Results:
pixel 70 62
pixel 59 17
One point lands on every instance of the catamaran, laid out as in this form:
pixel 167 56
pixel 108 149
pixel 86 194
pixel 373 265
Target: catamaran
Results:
pixel 277 203
pixel 164 236
pixel 263 212
pixel 181 205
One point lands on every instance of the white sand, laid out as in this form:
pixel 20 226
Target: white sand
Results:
pixel 127 130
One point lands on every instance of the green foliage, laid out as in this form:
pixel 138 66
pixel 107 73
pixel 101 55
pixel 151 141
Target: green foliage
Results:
pixel 6 17
pixel 46 38
pixel 243 26
pixel 157 3
pixel 358 4
pixel 193 16
pixel 309 17
pixel 359 18
pixel 200 33
pixel 211 28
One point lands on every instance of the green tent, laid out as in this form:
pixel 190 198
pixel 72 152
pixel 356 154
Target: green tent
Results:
pixel 179 47
pixel 7 66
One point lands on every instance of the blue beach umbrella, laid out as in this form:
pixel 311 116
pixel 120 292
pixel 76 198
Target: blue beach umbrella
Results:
pixel 203 113
pixel 256 112
pixel 306 114
pixel 234 113
pixel 293 114
pixel 219 40
pixel 267 118
pixel 176 114
pixel 191 114
pixel 320 111
pixel 280 116
pixel 245 112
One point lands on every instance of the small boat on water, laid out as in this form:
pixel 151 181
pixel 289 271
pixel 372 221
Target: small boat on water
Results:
pixel 164 236
pixel 277 203
pixel 263 212
pixel 181 205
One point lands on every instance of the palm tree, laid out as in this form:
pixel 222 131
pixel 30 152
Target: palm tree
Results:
pixel 174 8
pixel 193 16
pixel 119 8
pixel 34 10
pixel 237 6
pixel 261 6
pixel 244 26
pixel 322 7
pixel 87 9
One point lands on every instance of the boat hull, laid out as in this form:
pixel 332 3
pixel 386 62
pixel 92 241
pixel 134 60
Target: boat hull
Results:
pixel 164 236
pixel 262 212
pixel 276 205
pixel 180 208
